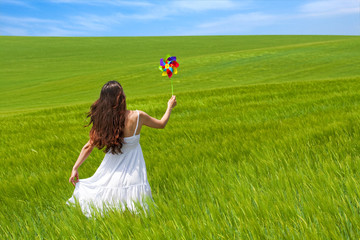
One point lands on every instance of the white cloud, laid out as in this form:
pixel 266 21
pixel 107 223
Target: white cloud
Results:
pixel 154 12
pixel 170 6
pixel 93 22
pixel 237 20
pixel 330 7
pixel 25 21
pixel 88 24
pixel 243 17
pixel 13 31
pixel 161 9
pixel 58 31
pixel 203 5
pixel 17 2
pixel 105 2
pixel 18 26
pixel 241 23
pixel 244 23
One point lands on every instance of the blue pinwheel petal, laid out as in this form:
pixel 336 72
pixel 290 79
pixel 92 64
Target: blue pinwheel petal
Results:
pixel 173 58
pixel 171 69
pixel 162 62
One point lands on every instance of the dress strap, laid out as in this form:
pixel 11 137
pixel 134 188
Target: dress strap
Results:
pixel 137 123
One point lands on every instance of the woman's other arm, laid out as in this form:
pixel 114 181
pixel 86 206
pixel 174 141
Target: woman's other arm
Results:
pixel 85 152
pixel 155 123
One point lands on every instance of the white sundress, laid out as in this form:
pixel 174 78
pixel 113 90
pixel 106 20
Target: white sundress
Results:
pixel 119 181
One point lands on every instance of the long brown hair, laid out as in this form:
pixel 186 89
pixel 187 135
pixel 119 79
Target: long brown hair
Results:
pixel 107 114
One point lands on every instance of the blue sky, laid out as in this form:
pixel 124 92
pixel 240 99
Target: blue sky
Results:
pixel 178 17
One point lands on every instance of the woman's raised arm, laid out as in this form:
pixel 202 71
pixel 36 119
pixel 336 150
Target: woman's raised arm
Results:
pixel 155 123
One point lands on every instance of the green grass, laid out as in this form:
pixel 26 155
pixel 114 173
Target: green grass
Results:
pixel 47 72
pixel 271 155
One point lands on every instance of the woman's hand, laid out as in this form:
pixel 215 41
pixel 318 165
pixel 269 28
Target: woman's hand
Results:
pixel 172 102
pixel 85 152
pixel 74 177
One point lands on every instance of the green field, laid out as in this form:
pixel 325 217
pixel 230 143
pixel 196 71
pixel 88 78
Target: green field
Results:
pixel 264 142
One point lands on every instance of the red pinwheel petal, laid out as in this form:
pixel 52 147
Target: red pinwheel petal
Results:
pixel 163 67
pixel 169 73
pixel 176 64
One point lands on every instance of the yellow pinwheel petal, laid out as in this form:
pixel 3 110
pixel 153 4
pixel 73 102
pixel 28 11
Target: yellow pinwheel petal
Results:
pixel 164 73
pixel 175 70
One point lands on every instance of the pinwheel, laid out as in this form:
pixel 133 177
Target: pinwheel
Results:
pixel 168 66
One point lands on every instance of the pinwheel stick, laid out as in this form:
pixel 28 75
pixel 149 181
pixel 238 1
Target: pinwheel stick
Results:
pixel 172 88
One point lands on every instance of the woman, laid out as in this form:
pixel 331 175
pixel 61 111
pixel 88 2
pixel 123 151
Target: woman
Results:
pixel 121 178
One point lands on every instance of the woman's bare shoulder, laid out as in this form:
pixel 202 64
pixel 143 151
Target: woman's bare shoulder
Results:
pixel 132 115
pixel 141 112
pixel 133 112
pixel 143 116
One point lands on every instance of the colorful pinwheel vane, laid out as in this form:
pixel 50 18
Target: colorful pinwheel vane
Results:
pixel 168 66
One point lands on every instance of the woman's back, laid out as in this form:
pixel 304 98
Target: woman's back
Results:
pixel 132 119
